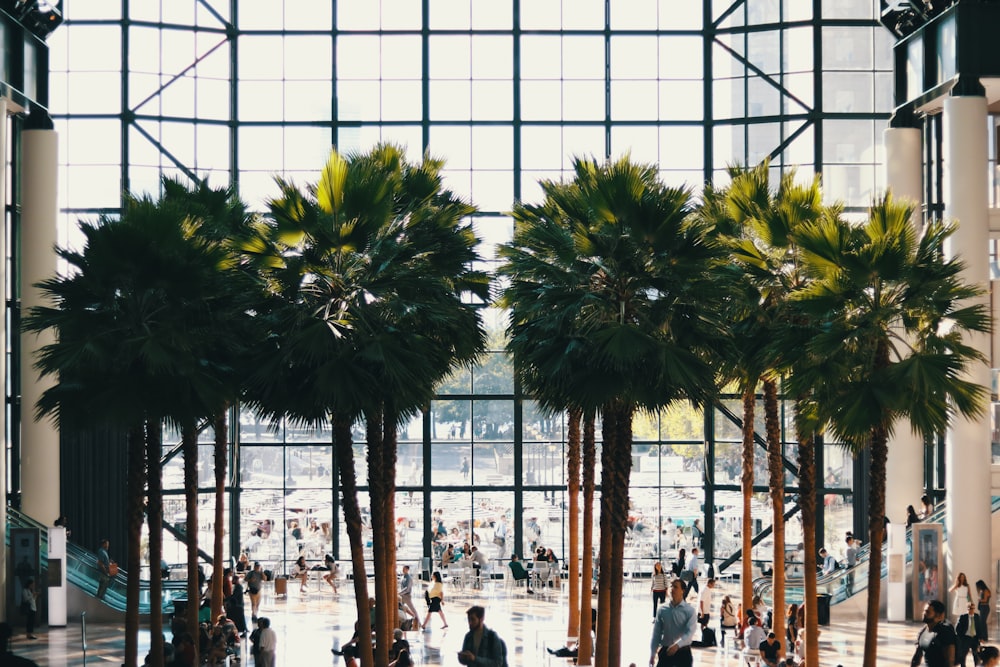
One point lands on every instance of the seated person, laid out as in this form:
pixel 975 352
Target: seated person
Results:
pixel 402 660
pixel 770 651
pixel 301 571
pixel 573 650
pixel 350 649
pixel 753 636
pixel 399 644
pixel 517 570
pixel 333 571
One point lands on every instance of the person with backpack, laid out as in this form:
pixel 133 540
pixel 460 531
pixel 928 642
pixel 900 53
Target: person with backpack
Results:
pixel 482 646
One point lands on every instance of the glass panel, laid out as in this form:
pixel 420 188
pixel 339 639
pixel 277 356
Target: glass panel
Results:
pixel 262 467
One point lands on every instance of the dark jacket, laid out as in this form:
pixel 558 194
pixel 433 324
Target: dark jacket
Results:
pixel 492 652
pixel 963 626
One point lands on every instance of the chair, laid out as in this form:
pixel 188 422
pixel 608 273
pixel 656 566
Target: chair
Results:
pixel 540 573
pixel 456 574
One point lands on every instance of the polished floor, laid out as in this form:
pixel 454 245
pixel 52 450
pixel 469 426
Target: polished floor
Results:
pixel 309 625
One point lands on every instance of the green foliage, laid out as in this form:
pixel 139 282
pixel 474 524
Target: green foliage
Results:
pixel 368 290
pixel 887 309
pixel 611 291
pixel 149 320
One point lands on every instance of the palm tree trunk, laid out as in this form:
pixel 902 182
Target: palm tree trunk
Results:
pixel 189 445
pixel 221 437
pixel 352 523
pixel 573 490
pixel 807 503
pixel 381 435
pixel 746 480
pixel 616 466
pixel 154 517
pixel 391 592
pixel 585 644
pixel 136 496
pixel 876 536
pixel 776 473
pixel 601 656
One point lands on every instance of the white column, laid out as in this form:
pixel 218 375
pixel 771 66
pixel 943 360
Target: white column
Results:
pixel 967 478
pixel 57 594
pixel 39 439
pixel 904 178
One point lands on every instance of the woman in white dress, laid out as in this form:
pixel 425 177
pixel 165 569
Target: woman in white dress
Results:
pixel 962 595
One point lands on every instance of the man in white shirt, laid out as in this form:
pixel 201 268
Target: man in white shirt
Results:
pixel 690 574
pixel 753 636
pixel 705 604
pixel 267 644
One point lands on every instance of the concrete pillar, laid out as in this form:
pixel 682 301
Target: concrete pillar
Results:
pixel 904 178
pixel 966 195
pixel 39 439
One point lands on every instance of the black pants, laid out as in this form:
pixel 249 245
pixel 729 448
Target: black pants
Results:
pixel 29 622
pixel 659 597
pixel 965 645
pixel 682 658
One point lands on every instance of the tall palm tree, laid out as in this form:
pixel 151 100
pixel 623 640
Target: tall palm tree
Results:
pixel 758 224
pixel 226 223
pixel 895 312
pixel 375 261
pixel 136 339
pixel 613 268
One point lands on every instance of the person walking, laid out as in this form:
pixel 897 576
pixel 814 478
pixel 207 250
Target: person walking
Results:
pixel 254 580
pixel 103 568
pixel 658 586
pixel 29 606
pixel 971 631
pixel 673 631
pixel 435 598
pixel 406 595
pixel 481 646
pixel 937 642
pixel 267 643
pixel 690 574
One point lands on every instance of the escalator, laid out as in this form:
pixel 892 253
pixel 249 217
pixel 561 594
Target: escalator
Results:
pixel 841 584
pixel 82 572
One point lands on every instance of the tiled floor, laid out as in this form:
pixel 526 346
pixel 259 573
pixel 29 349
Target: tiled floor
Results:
pixel 309 626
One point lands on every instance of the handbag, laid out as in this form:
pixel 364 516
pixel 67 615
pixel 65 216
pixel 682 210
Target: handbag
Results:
pixel 113 569
pixel 499 541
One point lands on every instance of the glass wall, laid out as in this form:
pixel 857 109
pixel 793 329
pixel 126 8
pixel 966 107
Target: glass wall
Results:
pixel 507 92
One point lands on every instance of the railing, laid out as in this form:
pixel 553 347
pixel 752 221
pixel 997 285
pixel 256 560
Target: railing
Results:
pixel 843 584
pixel 82 572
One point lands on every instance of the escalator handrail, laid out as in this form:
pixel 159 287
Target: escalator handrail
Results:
pixel 762 585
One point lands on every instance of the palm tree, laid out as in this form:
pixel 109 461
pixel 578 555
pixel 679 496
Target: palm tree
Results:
pixel 136 340
pixel 226 223
pixel 895 313
pixel 758 224
pixel 369 285
pixel 611 267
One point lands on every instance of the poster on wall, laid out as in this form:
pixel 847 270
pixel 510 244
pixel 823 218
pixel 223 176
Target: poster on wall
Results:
pixel 928 566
